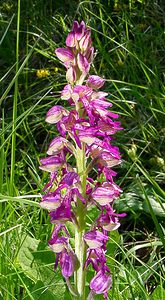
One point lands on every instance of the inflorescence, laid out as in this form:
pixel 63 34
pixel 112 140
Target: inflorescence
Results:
pixel 80 163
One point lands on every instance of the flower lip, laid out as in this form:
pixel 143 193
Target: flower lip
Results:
pixel 51 201
pixel 55 114
pixel 51 164
pixel 106 193
pixel 58 244
pixel 111 226
pixel 61 215
pixel 107 223
pixel 102 196
pixel 58 144
pixel 106 159
pixel 95 239
pixel 101 282
pixel 67 262
pixel 66 92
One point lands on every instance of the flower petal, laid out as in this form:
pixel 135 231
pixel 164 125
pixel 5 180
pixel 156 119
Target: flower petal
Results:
pixel 64 54
pixel 95 239
pixel 95 82
pixel 51 164
pixel 101 283
pixel 55 114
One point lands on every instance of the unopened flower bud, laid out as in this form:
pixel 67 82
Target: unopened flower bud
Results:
pixel 70 40
pixel 95 82
pixel 71 75
pixel 64 54
pixel 83 63
pixel 58 144
pixel 84 42
pixel 55 114
pixel 79 30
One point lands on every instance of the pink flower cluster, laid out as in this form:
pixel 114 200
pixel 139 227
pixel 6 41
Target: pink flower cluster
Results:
pixel 79 52
pixel 88 126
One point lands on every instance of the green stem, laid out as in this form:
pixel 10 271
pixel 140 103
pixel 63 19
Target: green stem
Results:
pixel 2 152
pixel 13 144
pixel 80 251
pixel 80 247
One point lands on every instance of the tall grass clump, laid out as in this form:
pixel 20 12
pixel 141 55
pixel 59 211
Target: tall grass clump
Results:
pixel 129 38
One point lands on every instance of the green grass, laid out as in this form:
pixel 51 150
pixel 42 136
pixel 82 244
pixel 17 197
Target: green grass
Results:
pixel 129 39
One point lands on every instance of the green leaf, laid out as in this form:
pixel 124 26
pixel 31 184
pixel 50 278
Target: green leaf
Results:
pixel 112 246
pixel 158 294
pixel 128 202
pixel 40 292
pixel 26 259
pixel 37 262
pixel 158 209
pixel 44 260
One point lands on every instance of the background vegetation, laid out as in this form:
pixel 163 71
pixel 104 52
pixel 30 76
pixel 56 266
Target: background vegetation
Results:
pixel 130 53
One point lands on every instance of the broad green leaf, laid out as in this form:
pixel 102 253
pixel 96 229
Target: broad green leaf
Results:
pixel 112 245
pixel 158 294
pixel 44 260
pixel 158 209
pixel 26 258
pixel 40 292
pixel 128 202
pixel 37 263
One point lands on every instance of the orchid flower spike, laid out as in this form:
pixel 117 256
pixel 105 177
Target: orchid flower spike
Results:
pixel 79 162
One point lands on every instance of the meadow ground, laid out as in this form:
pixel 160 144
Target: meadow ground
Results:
pixel 128 37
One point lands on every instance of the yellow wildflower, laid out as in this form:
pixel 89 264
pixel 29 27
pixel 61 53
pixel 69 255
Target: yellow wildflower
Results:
pixel 120 63
pixel 55 69
pixel 41 73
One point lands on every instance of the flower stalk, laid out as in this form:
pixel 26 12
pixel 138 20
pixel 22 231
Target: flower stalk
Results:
pixel 80 247
pixel 85 135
